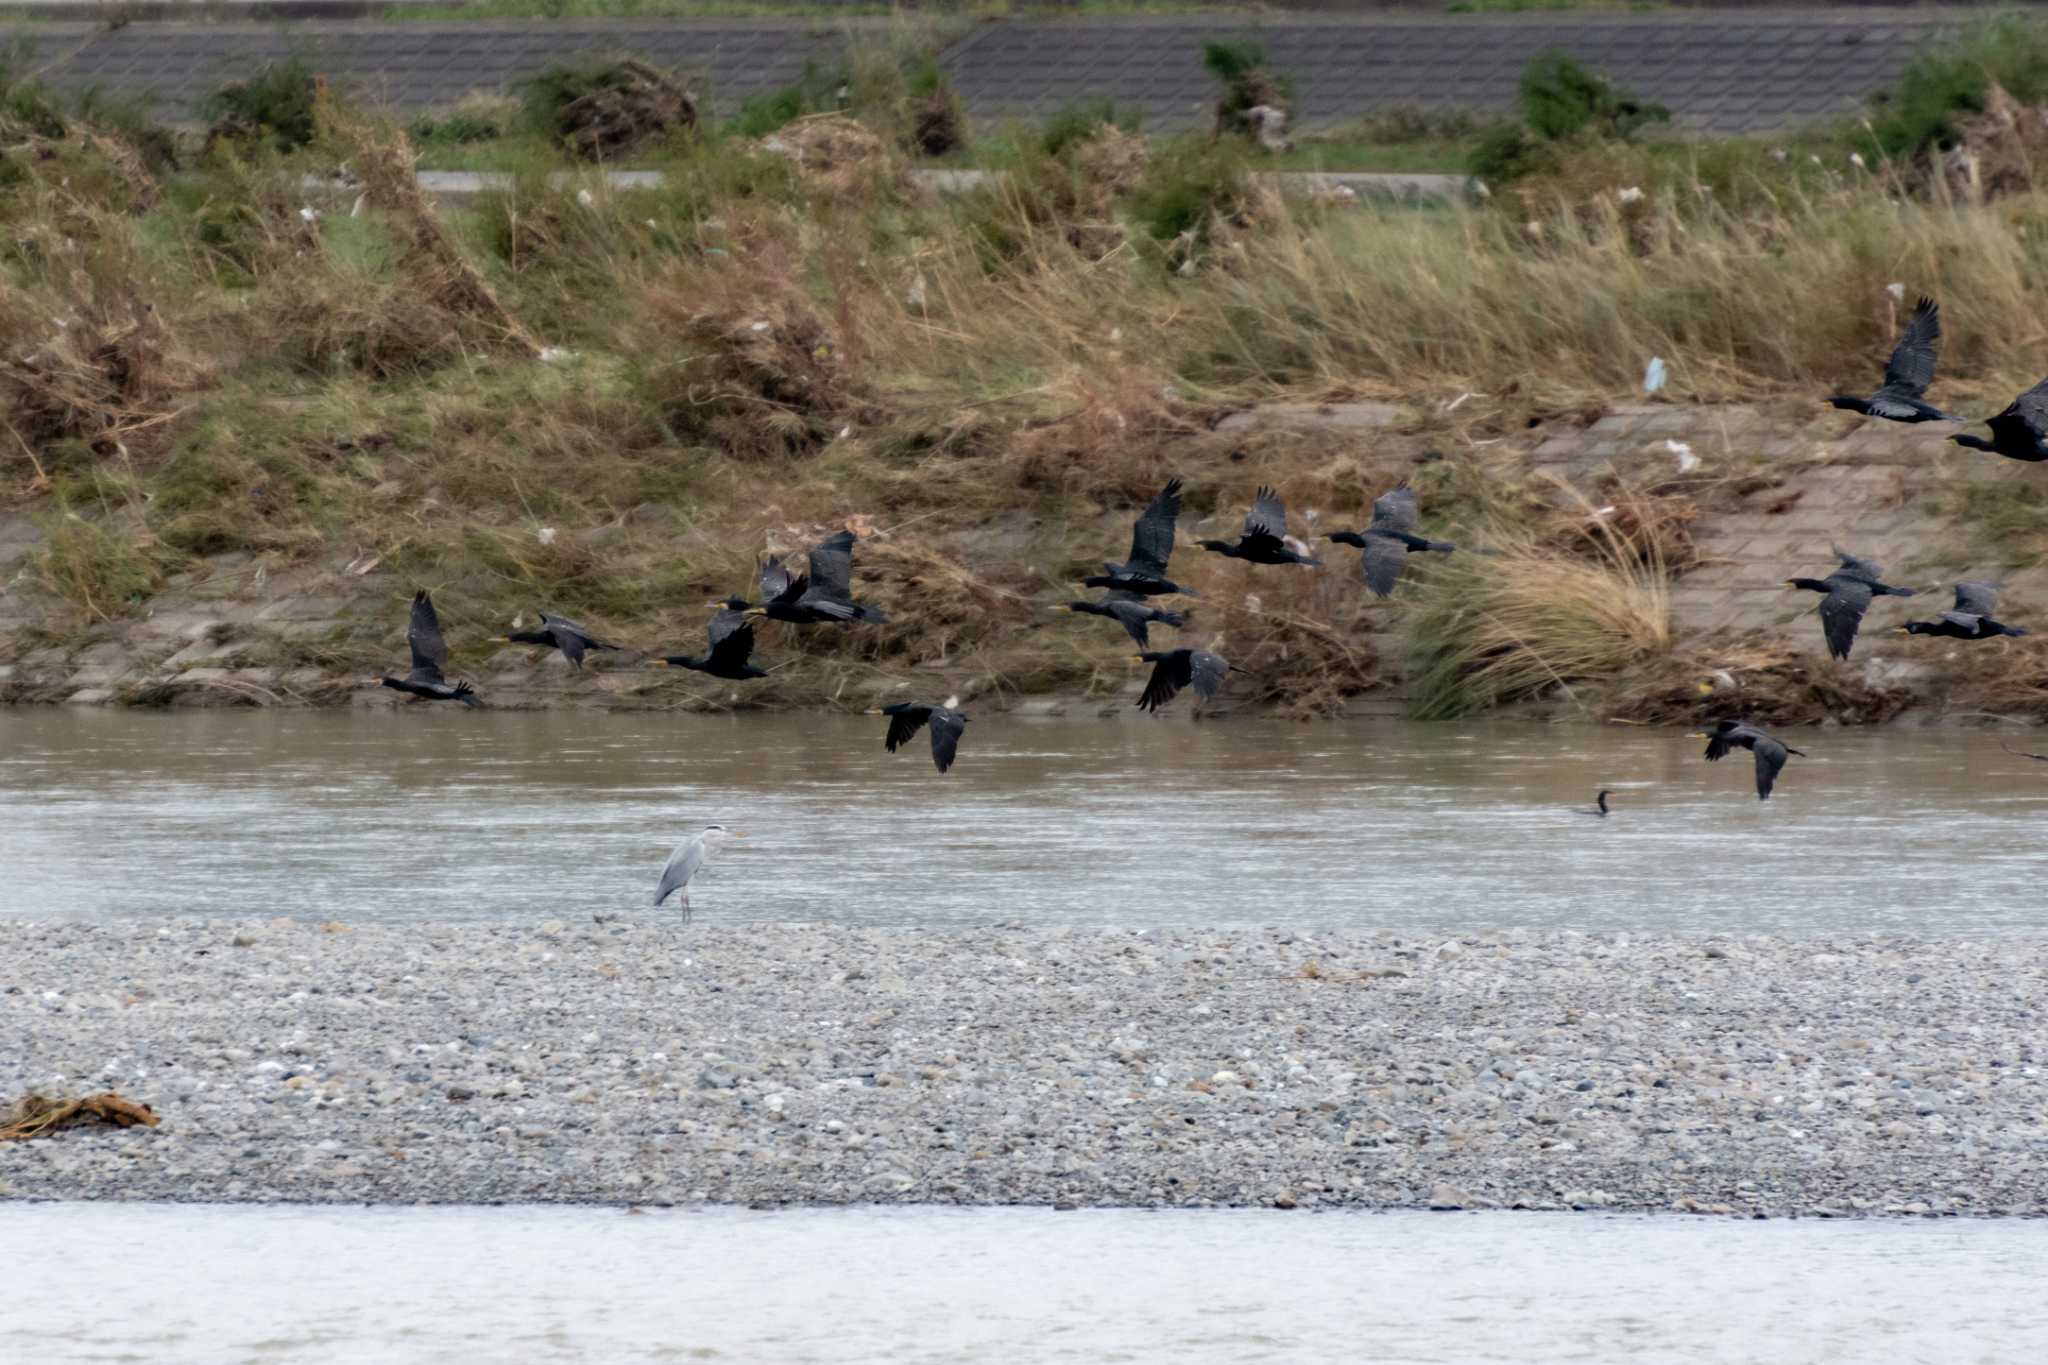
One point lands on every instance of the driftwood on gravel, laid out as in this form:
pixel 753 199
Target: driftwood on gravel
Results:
pixel 37 1116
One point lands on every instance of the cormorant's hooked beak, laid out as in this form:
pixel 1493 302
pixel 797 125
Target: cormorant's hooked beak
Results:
pixel 1900 630
pixel 1791 582
pixel 1698 734
pixel 663 663
pixel 872 711
pixel 1705 689
pixel 1063 606
pixel 756 611
pixel 1137 658
pixel 502 639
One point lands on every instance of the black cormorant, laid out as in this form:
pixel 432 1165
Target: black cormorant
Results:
pixel 823 594
pixel 2018 433
pixel 906 718
pixel 1971 619
pixel 731 636
pixel 1264 539
pixel 559 632
pixel 1770 753
pixel 1174 669
pixel 1144 573
pixel 1907 375
pixel 1849 592
pixel 1389 540
pixel 1130 611
pixel 429 657
pixel 1599 806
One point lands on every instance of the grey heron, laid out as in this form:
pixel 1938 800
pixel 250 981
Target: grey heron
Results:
pixel 689 857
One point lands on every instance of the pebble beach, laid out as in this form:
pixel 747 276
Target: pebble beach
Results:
pixel 643 1061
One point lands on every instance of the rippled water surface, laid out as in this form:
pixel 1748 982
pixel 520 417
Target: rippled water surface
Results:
pixel 225 1284
pixel 444 814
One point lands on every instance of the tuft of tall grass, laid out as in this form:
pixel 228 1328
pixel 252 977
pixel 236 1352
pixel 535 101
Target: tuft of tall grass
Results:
pixel 1527 620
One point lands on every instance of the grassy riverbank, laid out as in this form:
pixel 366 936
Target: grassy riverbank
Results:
pixel 226 387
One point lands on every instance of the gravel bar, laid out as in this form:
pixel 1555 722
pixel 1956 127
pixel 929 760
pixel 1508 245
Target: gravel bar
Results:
pixel 646 1061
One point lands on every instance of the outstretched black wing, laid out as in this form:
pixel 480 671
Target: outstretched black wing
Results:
pixel 1841 614
pixel 1394 511
pixel 731 634
pixel 1169 675
pixel 1266 523
pixel 1770 761
pixel 1976 598
pixel 775 581
pixel 947 727
pixel 1911 368
pixel 905 720
pixel 423 634
pixel 1208 672
pixel 1381 563
pixel 1152 537
pixel 2026 416
pixel 1855 566
pixel 832 566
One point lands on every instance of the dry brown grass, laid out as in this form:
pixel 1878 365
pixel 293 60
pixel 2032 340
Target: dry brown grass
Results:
pixel 1527 620
pixel 37 1116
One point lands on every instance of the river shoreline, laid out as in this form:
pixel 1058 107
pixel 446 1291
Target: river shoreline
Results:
pixel 641 1061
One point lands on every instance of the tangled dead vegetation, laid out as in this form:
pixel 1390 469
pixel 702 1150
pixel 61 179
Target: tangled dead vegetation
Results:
pixel 1295 649
pixel 37 1116
pixel 606 110
pixel 434 271
pixel 744 358
pixel 1763 683
pixel 84 354
pixel 836 155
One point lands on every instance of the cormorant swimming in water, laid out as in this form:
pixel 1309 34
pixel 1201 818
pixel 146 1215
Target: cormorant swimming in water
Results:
pixel 1130 611
pixel 1264 539
pixel 1144 573
pixel 906 718
pixel 731 636
pixel 1849 592
pixel 1177 668
pixel 429 657
pixel 1907 374
pixel 1971 619
pixel 1770 753
pixel 2018 433
pixel 1599 806
pixel 1388 541
pixel 559 632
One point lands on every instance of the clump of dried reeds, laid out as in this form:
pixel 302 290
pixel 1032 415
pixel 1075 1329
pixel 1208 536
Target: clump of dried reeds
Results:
pixel 1766 683
pixel 1526 619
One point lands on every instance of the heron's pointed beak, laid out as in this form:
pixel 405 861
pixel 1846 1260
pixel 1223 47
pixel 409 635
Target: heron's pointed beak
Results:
pixel 737 833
